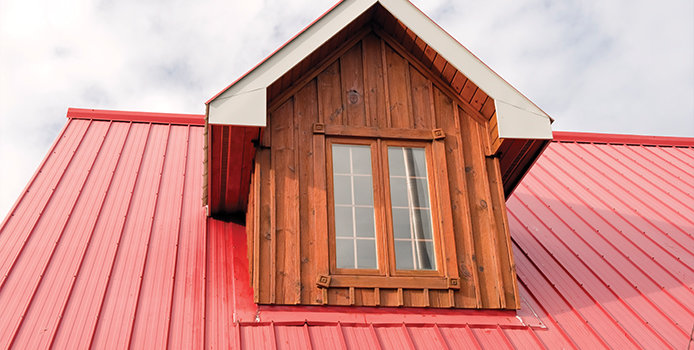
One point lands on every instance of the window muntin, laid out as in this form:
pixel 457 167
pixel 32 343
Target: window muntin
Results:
pixel 353 198
pixel 413 239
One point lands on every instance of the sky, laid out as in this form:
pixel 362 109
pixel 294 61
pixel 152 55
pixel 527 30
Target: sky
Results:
pixel 617 66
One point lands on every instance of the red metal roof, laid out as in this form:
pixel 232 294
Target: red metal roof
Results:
pixel 109 247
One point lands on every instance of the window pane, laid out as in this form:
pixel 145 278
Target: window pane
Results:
pixel 403 255
pixel 366 254
pixel 396 161
pixel 343 189
pixel 363 190
pixel 343 222
pixel 361 160
pixel 401 223
pixel 341 159
pixel 344 250
pixel 354 207
pixel 398 192
pixel 410 207
pixel 365 222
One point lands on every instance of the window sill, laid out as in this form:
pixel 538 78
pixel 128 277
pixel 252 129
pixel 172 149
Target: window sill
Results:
pixel 418 282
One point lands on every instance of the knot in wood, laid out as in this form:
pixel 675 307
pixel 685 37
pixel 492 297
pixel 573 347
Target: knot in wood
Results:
pixel 483 204
pixel 353 96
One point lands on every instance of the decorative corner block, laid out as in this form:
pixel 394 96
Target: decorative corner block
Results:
pixel 438 134
pixel 319 128
pixel 453 283
pixel 323 281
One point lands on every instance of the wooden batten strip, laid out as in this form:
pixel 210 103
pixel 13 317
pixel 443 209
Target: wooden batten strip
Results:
pixel 384 133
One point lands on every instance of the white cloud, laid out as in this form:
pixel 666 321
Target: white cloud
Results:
pixel 606 66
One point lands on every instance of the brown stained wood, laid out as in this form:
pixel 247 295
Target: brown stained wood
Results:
pixel 409 39
pixel 384 59
pixel 429 56
pixel 415 297
pixel 338 296
pixel 306 114
pixel 448 72
pixel 361 281
pixel 421 103
pixel 458 82
pixel 352 78
pixel 438 65
pixel 384 133
pixel 483 224
pixel 330 109
pixel 255 232
pixel 250 134
pixel 389 297
pixel 478 99
pixel 287 195
pixel 503 241
pixel 488 108
pixel 457 188
pixel 419 49
pixel 266 240
pixel 468 91
pixel 399 92
pixel 374 88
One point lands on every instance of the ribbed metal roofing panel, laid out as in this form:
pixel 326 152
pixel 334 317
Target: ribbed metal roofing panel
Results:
pixel 110 247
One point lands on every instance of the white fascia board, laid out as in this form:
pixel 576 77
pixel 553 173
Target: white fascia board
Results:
pixel 518 123
pixel 248 89
pixel 462 59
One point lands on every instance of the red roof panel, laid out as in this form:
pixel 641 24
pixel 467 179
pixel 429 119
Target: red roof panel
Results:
pixel 110 247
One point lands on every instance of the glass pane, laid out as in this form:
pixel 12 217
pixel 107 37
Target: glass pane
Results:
pixel 361 160
pixel 426 253
pixel 366 254
pixel 398 192
pixel 343 189
pixel 410 207
pixel 403 255
pixel 401 223
pixel 418 160
pixel 423 217
pixel 344 253
pixel 363 190
pixel 396 161
pixel 343 222
pixel 341 159
pixel 365 222
pixel 421 195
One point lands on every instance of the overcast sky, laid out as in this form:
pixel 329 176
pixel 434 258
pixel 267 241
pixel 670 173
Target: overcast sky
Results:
pixel 616 66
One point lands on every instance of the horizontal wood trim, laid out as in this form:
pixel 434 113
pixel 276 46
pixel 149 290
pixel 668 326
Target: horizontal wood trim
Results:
pixel 383 133
pixel 418 282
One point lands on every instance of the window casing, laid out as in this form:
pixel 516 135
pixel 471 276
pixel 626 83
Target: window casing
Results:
pixel 406 226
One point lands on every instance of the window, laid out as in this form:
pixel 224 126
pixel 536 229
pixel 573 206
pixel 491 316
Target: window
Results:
pixel 382 209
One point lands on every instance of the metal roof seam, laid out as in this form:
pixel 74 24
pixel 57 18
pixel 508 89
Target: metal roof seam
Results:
pixel 120 237
pixel 60 235
pixel 672 164
pixel 601 235
pixel 91 235
pixel 178 240
pixel 633 310
pixel 559 293
pixel 582 286
pixel 640 200
pixel 647 169
pixel 627 205
pixel 149 241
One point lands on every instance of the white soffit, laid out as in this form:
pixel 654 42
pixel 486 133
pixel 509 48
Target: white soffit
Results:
pixel 244 103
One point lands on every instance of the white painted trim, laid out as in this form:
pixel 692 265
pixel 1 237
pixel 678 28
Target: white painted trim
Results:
pixel 244 103
pixel 518 123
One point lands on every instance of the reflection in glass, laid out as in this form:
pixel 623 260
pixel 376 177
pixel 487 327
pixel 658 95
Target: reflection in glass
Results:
pixel 355 241
pixel 409 195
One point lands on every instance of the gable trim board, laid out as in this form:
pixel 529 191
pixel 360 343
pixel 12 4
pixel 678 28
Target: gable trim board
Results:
pixel 244 103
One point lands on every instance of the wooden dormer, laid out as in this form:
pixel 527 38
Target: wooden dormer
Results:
pixel 373 171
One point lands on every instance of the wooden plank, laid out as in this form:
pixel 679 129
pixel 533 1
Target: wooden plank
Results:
pixel 266 240
pixel 330 107
pixel 503 239
pixel 448 72
pixel 384 133
pixel 249 134
pixel 410 282
pixel 478 100
pixel 415 298
pixel 488 108
pixel 421 103
pixel 287 288
pixel 447 119
pixel 352 78
pixel 374 88
pixel 458 82
pixel 398 90
pixel 256 232
pixel 468 91
pixel 306 114
pixel 483 225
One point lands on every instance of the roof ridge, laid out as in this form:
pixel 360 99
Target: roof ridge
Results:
pixel 133 116
pixel 642 140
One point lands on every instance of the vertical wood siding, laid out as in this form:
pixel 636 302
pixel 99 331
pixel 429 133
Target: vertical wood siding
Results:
pixel 377 83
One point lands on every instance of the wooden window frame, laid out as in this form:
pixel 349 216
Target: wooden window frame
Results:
pixel 387 275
